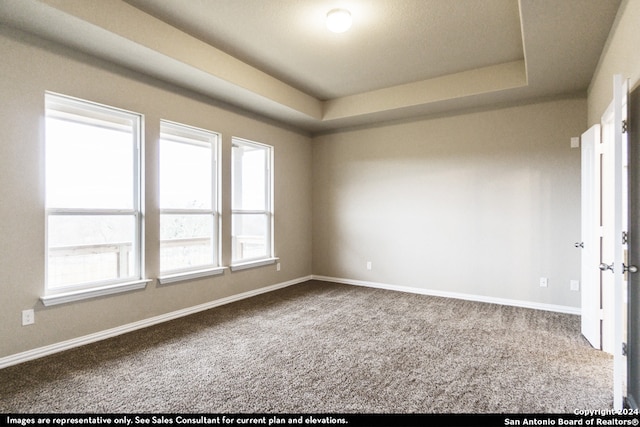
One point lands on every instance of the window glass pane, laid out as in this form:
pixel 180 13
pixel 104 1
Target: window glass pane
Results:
pixel 186 241
pixel 249 177
pixel 185 175
pixel 90 248
pixel 89 165
pixel 249 236
pixel 92 194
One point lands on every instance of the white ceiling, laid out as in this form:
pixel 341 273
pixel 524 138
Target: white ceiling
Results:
pixel 390 43
pixel 401 58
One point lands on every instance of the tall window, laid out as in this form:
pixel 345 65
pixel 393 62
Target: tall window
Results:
pixel 252 205
pixel 188 199
pixel 94 221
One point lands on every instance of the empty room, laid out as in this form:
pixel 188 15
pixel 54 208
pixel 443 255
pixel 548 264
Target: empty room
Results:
pixel 319 207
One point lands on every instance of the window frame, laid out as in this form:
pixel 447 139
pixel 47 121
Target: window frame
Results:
pixel 187 134
pixel 58 106
pixel 269 258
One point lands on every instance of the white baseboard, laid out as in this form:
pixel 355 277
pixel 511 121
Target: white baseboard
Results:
pixel 456 295
pixel 109 333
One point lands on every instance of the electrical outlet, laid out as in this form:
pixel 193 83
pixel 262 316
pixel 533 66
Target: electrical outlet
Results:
pixel 544 282
pixel 28 317
pixel 278 267
pixel 369 265
pixel 575 285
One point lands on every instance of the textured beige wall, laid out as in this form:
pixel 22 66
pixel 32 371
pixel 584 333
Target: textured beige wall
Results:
pixel 620 56
pixel 28 68
pixel 483 203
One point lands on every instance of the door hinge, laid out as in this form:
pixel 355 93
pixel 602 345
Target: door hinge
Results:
pixel 625 126
pixel 625 237
pixel 601 314
pixel 624 348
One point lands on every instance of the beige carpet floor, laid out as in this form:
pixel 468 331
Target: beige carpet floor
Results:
pixel 327 348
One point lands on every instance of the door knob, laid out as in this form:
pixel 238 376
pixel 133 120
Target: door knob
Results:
pixel 625 268
pixel 605 267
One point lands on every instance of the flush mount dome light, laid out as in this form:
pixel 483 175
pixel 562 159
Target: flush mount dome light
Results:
pixel 338 20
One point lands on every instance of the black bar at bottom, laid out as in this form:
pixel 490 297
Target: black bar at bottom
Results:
pixel 584 418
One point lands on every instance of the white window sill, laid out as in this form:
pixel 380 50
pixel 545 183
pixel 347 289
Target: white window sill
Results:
pixel 65 297
pixel 253 264
pixel 180 277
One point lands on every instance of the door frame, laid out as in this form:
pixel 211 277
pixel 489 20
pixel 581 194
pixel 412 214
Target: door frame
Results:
pixel 633 291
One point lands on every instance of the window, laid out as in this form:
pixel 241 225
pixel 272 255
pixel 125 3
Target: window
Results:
pixel 93 212
pixel 252 211
pixel 189 220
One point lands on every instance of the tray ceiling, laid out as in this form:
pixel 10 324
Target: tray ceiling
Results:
pixel 401 58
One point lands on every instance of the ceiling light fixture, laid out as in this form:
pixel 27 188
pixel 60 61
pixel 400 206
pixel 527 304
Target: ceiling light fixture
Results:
pixel 339 20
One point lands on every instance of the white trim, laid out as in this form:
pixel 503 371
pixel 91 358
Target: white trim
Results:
pixel 85 112
pixel 188 275
pixel 182 134
pixel 61 298
pixel 109 333
pixel 252 264
pixel 456 295
pixel 268 211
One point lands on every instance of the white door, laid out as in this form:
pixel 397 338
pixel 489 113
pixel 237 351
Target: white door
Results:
pixel 615 228
pixel 620 96
pixel 607 220
pixel 591 320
